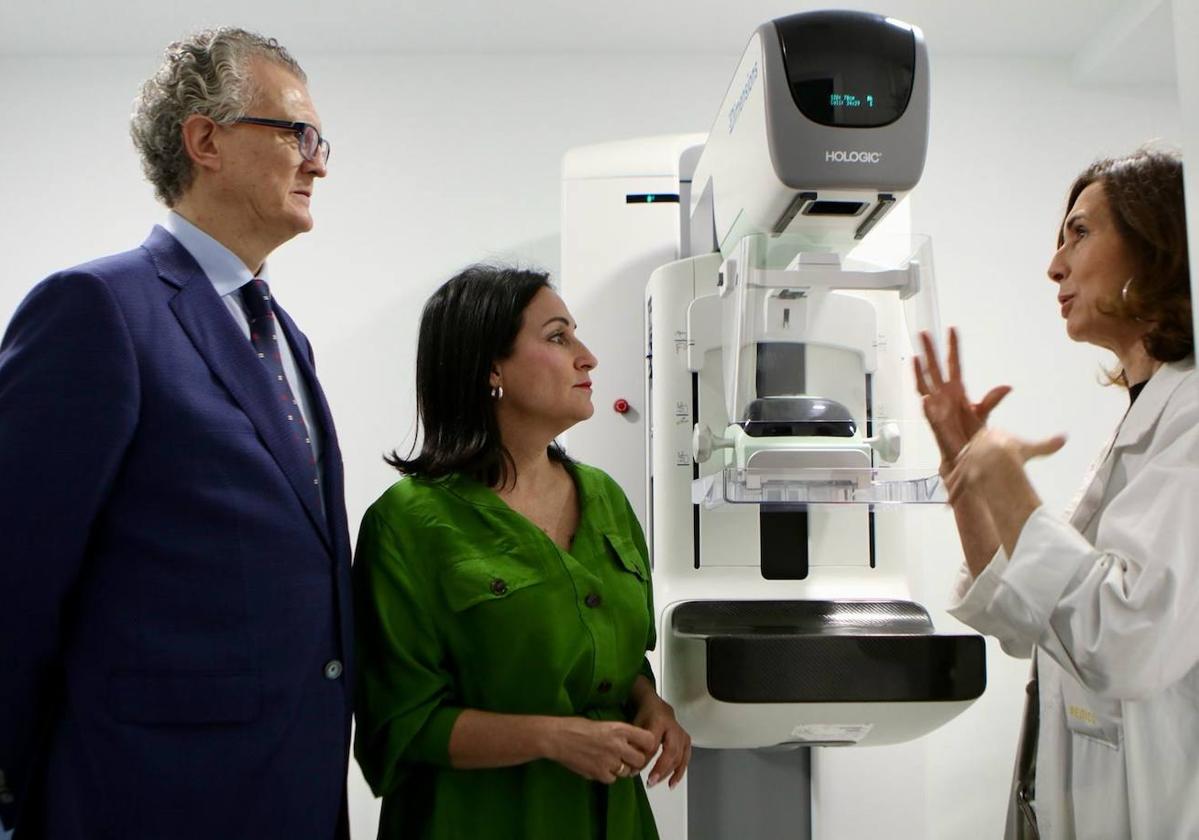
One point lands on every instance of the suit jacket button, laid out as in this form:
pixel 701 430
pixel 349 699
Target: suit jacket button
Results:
pixel 593 600
pixel 332 669
pixel 498 587
pixel 604 687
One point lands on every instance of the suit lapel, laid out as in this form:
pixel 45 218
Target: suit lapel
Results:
pixel 232 360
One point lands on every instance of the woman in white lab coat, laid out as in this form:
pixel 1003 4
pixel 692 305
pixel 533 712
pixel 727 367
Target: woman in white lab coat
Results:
pixel 1105 597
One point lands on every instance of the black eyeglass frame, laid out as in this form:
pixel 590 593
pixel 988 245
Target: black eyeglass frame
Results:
pixel 297 128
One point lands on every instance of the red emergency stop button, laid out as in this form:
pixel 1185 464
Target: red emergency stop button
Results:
pixel 621 406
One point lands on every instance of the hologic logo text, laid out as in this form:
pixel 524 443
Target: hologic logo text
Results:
pixel 841 156
pixel 735 111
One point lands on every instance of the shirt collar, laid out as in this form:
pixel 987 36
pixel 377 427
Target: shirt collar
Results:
pixel 224 269
pixel 595 514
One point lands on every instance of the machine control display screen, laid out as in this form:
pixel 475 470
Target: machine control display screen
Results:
pixel 848 70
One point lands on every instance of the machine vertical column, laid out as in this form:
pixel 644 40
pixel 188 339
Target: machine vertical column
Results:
pixel 742 794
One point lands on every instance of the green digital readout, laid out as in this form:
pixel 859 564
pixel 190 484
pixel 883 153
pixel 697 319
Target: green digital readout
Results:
pixel 849 100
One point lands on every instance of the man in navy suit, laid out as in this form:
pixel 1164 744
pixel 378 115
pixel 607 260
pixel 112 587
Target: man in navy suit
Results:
pixel 174 558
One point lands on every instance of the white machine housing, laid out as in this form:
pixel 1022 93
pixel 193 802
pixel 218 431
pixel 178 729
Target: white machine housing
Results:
pixel 780 156
pixel 818 574
pixel 783 621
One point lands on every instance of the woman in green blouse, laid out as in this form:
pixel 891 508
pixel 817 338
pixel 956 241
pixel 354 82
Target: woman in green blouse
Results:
pixel 503 595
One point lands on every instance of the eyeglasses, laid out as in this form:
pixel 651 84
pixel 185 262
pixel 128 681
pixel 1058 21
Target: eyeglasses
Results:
pixel 310 140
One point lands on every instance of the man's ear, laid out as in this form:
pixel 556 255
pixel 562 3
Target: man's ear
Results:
pixel 200 140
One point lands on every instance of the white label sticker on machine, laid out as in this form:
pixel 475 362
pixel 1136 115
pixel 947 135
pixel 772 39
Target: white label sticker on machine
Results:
pixel 831 733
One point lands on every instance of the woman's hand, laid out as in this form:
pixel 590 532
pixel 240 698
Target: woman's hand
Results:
pixel 953 418
pixel 991 467
pixel 657 716
pixel 599 750
pixel 993 462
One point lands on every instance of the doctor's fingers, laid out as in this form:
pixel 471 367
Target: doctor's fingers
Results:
pixel 921 386
pixel 1037 449
pixel 932 362
pixel 984 407
pixel 955 358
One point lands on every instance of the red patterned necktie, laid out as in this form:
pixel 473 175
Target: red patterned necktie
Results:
pixel 264 335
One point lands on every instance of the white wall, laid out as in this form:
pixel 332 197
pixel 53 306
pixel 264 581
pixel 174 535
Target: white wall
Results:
pixel 441 161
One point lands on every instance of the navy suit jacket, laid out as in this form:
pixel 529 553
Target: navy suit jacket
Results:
pixel 174 606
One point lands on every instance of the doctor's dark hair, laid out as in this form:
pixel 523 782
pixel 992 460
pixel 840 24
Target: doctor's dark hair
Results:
pixel 1144 192
pixel 468 324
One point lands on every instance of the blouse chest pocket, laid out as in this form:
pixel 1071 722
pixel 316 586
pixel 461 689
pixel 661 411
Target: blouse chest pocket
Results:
pixel 627 556
pixel 475 580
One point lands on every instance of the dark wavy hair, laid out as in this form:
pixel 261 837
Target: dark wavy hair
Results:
pixel 468 324
pixel 1144 192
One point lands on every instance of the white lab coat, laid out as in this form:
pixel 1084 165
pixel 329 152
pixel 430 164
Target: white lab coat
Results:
pixel 1110 600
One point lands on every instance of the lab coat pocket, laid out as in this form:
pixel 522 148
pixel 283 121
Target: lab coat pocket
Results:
pixel 627 555
pixel 475 580
pixel 1098 718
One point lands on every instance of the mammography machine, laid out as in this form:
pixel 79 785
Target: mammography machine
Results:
pixel 753 296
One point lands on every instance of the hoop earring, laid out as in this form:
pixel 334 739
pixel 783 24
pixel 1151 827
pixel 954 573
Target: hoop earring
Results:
pixel 497 393
pixel 1124 298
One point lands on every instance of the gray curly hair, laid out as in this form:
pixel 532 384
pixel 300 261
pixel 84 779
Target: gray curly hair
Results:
pixel 205 73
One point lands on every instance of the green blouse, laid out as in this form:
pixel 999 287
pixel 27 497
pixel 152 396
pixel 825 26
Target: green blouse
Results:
pixel 462 603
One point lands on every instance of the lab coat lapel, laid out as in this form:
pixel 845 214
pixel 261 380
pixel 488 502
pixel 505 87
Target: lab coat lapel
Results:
pixel 1138 423
pixel 232 360
pixel 1085 505
pixel 1145 412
